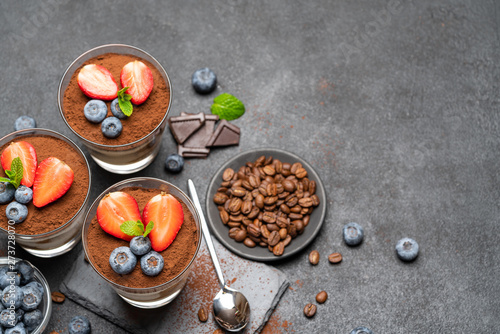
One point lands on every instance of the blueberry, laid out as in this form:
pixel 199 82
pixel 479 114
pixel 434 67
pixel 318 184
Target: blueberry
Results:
pixel 79 325
pixel 152 263
pixel 32 297
pixel 12 293
pixel 353 234
pixel 204 80
pixel 174 163
pixel 6 279
pixel 26 270
pixel 8 319
pixel 122 260
pixel 407 249
pixel 111 127
pixel 140 245
pixel 32 319
pixel 37 285
pixel 361 330
pixel 7 192
pixel 18 329
pixel 16 212
pixel 116 111
pixel 23 195
pixel 95 111
pixel 24 122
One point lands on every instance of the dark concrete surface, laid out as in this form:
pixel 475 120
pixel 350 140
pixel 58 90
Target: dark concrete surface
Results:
pixel 393 102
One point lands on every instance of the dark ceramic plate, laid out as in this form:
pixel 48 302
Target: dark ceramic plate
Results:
pixel 259 253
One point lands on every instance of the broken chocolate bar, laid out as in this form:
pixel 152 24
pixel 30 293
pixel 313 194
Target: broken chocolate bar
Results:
pixel 202 135
pixel 182 127
pixel 225 135
pixel 192 152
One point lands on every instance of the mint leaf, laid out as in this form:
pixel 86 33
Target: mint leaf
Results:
pixel 227 107
pixel 149 227
pixel 15 173
pixel 4 179
pixel 124 102
pixel 132 228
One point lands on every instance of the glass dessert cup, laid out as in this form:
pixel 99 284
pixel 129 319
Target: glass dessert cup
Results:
pixel 46 304
pixel 159 295
pixel 65 237
pixel 130 157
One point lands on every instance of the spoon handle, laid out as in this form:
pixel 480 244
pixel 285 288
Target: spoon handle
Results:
pixel 206 232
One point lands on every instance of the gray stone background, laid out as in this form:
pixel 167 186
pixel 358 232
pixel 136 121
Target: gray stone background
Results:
pixel 393 102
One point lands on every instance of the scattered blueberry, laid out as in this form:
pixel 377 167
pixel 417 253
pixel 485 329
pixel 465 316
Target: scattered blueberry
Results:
pixel 26 270
pixel 122 260
pixel 24 122
pixel 32 297
pixel 407 249
pixel 37 285
pixel 6 279
pixel 12 293
pixel 7 192
pixel 32 319
pixel 16 212
pixel 79 325
pixel 111 127
pixel 353 234
pixel 140 245
pixel 116 111
pixel 174 163
pixel 6 320
pixel 204 80
pixel 152 263
pixel 95 111
pixel 361 330
pixel 18 329
pixel 23 195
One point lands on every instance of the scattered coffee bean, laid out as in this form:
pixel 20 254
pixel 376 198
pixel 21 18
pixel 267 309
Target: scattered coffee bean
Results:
pixel 218 331
pixel 310 310
pixel 57 297
pixel 314 257
pixel 335 258
pixel 203 314
pixel 321 297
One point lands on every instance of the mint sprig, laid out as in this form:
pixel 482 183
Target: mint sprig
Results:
pixel 15 173
pixel 227 107
pixel 135 229
pixel 124 102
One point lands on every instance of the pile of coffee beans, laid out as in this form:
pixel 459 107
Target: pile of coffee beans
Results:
pixel 266 202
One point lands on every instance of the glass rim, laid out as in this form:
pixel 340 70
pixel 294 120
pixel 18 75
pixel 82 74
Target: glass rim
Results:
pixel 85 140
pixel 124 182
pixel 52 132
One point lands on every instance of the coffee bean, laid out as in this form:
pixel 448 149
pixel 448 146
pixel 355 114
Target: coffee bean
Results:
pixel 287 240
pixel 269 217
pixel 273 238
pixel 218 331
pixel 282 222
pixel 299 225
pixel 240 235
pixel 295 216
pixel 236 218
pixel 335 258
pixel 260 161
pixel 235 204
pixel 312 187
pixel 220 198
pixel 271 189
pixel 249 243
pixel 283 233
pixel 296 209
pixel 286 166
pixel 292 231
pixel 285 208
pixel 234 224
pixel 238 191
pixel 254 181
pixel 254 213
pixel 57 297
pixel 246 221
pixel 264 231
pixel 288 185
pixel 273 227
pixel 310 310
pixel 263 189
pixel 292 201
pixel 295 166
pixel 321 297
pixel 224 216
pixel 269 170
pixel 315 200
pixel 283 195
pixel 203 314
pixel 314 257
pixel 269 160
pixel 228 174
pixel 254 239
pixel 269 207
pixel 233 231
pixel 304 211
pixel 253 230
pixel 300 173
pixel 246 207
pixel 306 220
pixel 305 202
pixel 279 248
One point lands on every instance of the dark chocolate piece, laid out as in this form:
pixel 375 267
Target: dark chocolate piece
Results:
pixel 225 135
pixel 183 127
pixel 200 138
pixel 192 152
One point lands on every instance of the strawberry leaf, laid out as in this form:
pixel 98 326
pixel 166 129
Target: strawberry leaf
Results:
pixel 124 102
pixel 132 228
pixel 149 227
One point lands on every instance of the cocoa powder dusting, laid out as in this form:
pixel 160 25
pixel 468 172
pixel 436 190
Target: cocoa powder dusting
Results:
pixel 177 256
pixel 55 214
pixel 145 117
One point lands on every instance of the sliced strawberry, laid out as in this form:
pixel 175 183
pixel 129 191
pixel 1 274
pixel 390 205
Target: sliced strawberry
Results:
pixel 138 77
pixel 97 82
pixel 53 178
pixel 26 152
pixel 114 209
pixel 166 213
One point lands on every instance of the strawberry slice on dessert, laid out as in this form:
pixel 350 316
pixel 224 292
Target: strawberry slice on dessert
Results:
pixel 114 209
pixel 53 178
pixel 166 213
pixel 97 82
pixel 26 152
pixel 138 77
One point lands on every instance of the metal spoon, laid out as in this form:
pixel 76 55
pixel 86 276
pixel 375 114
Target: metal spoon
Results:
pixel 231 308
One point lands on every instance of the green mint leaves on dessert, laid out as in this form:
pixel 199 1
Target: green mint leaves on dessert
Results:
pixel 15 173
pixel 135 229
pixel 124 101
pixel 227 107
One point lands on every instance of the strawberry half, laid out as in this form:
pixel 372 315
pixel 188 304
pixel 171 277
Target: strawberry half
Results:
pixel 97 82
pixel 53 178
pixel 166 213
pixel 26 152
pixel 138 77
pixel 114 209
